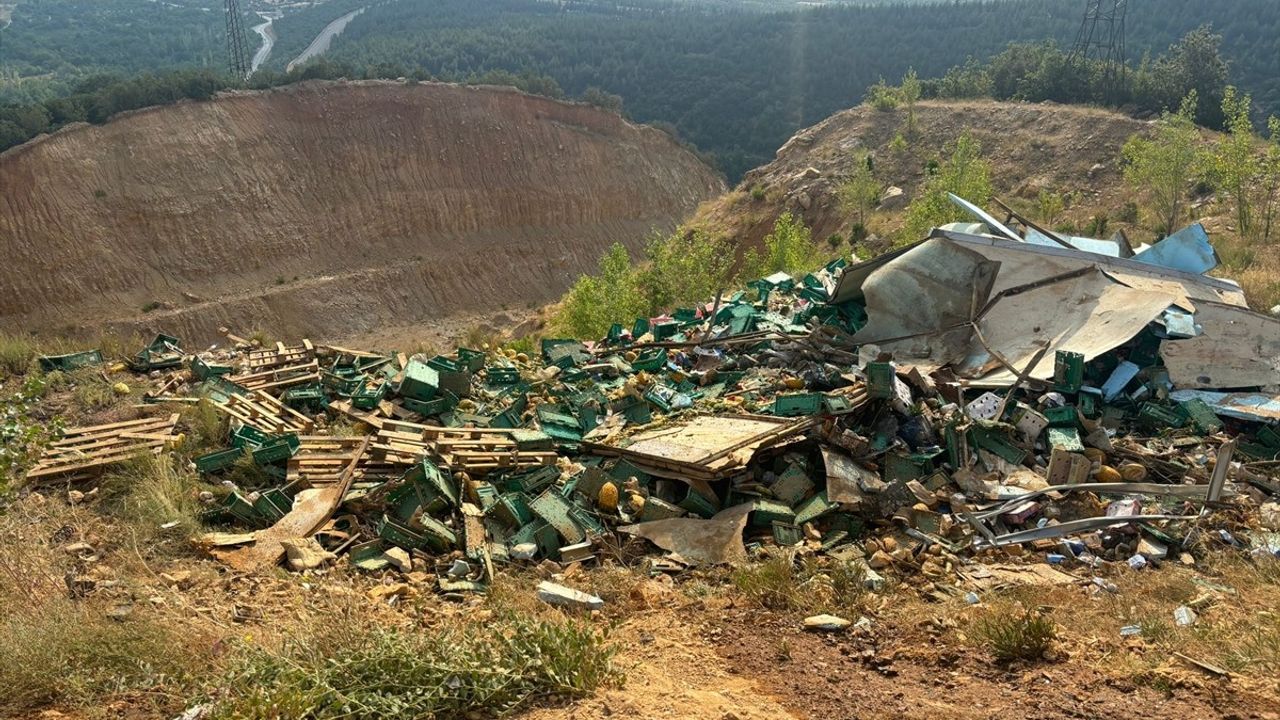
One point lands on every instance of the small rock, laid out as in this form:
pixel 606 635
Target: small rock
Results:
pixel 524 551
pixel 804 200
pixel 306 554
pixel 399 557
pixel 392 591
pixel 177 578
pixel 1095 169
pixel 812 172
pixel 78 548
pixel 889 544
pixel 120 613
pixel 825 622
pixel 559 595
pixel 880 560
pixel 893 198
pixel 120 389
pixel 460 568
pixel 75 497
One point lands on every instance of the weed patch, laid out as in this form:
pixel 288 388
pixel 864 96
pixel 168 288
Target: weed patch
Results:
pixel 386 673
pixel 1013 635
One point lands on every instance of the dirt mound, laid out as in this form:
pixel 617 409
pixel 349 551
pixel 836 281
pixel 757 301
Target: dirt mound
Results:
pixel 327 209
pixel 1031 147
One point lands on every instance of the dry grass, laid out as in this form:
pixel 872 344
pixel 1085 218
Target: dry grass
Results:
pixel 67 651
pixel 156 503
pixel 1237 628
pixel 1254 265
pixel 17 353
pixel 812 585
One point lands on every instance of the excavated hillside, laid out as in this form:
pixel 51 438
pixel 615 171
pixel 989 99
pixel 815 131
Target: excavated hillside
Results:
pixel 327 209
pixel 1030 147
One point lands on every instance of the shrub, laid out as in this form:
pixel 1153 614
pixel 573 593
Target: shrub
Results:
pixel 772 584
pixel 789 248
pixel 883 97
pixel 965 173
pixel 491 668
pixel 150 491
pixel 1016 636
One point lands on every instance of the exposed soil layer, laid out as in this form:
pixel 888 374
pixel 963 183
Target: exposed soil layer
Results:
pixel 327 209
pixel 1031 147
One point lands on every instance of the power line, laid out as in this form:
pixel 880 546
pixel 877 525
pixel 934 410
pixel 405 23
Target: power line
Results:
pixel 237 60
pixel 1101 40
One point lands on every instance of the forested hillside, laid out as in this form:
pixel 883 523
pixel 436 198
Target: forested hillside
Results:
pixel 738 84
pixel 734 77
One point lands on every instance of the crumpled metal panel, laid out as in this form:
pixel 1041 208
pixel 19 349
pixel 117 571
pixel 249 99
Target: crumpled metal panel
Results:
pixel 1187 250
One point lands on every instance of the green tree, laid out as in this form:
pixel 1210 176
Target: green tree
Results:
pixel 910 94
pixel 965 173
pixel 1162 166
pixel 684 267
pixel 1268 185
pixel 1050 205
pixel 860 193
pixel 1233 163
pixel 595 302
pixel 789 248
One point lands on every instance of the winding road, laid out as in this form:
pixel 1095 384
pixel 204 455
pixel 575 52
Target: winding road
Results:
pixel 268 35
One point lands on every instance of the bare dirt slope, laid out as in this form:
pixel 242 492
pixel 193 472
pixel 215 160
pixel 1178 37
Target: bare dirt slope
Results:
pixel 327 209
pixel 1030 147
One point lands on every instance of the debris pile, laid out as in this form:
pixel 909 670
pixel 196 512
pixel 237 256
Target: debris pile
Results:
pixel 983 390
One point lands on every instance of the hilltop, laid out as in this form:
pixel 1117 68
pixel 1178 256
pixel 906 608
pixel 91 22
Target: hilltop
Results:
pixel 1066 150
pixel 327 209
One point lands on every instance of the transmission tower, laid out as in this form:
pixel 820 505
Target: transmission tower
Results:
pixel 237 61
pixel 1101 39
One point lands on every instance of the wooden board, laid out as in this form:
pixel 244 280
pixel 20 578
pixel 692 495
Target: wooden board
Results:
pixel 265 413
pixel 84 452
pixel 312 508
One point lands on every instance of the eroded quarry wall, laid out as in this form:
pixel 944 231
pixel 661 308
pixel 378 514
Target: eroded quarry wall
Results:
pixel 327 209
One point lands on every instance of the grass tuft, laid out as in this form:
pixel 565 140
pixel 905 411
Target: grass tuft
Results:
pixel 1015 635
pixel 151 491
pixel 16 354
pixel 772 584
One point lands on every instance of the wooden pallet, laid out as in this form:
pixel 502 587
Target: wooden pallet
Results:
pixel 281 355
pixel 474 450
pixel 276 379
pixel 84 452
pixel 321 459
pixel 265 413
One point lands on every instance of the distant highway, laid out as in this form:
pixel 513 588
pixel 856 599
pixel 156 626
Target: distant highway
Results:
pixel 320 45
pixel 268 35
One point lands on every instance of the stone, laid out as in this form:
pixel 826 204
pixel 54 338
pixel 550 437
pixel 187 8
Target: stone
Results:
pixel 880 560
pixel 893 198
pixel 390 592
pixel 120 613
pixel 78 548
pixel 561 596
pixel 804 200
pixel 399 558
pixel 524 551
pixel 460 568
pixel 75 497
pixel 825 622
pixel 305 554
pixel 120 389
pixel 177 578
